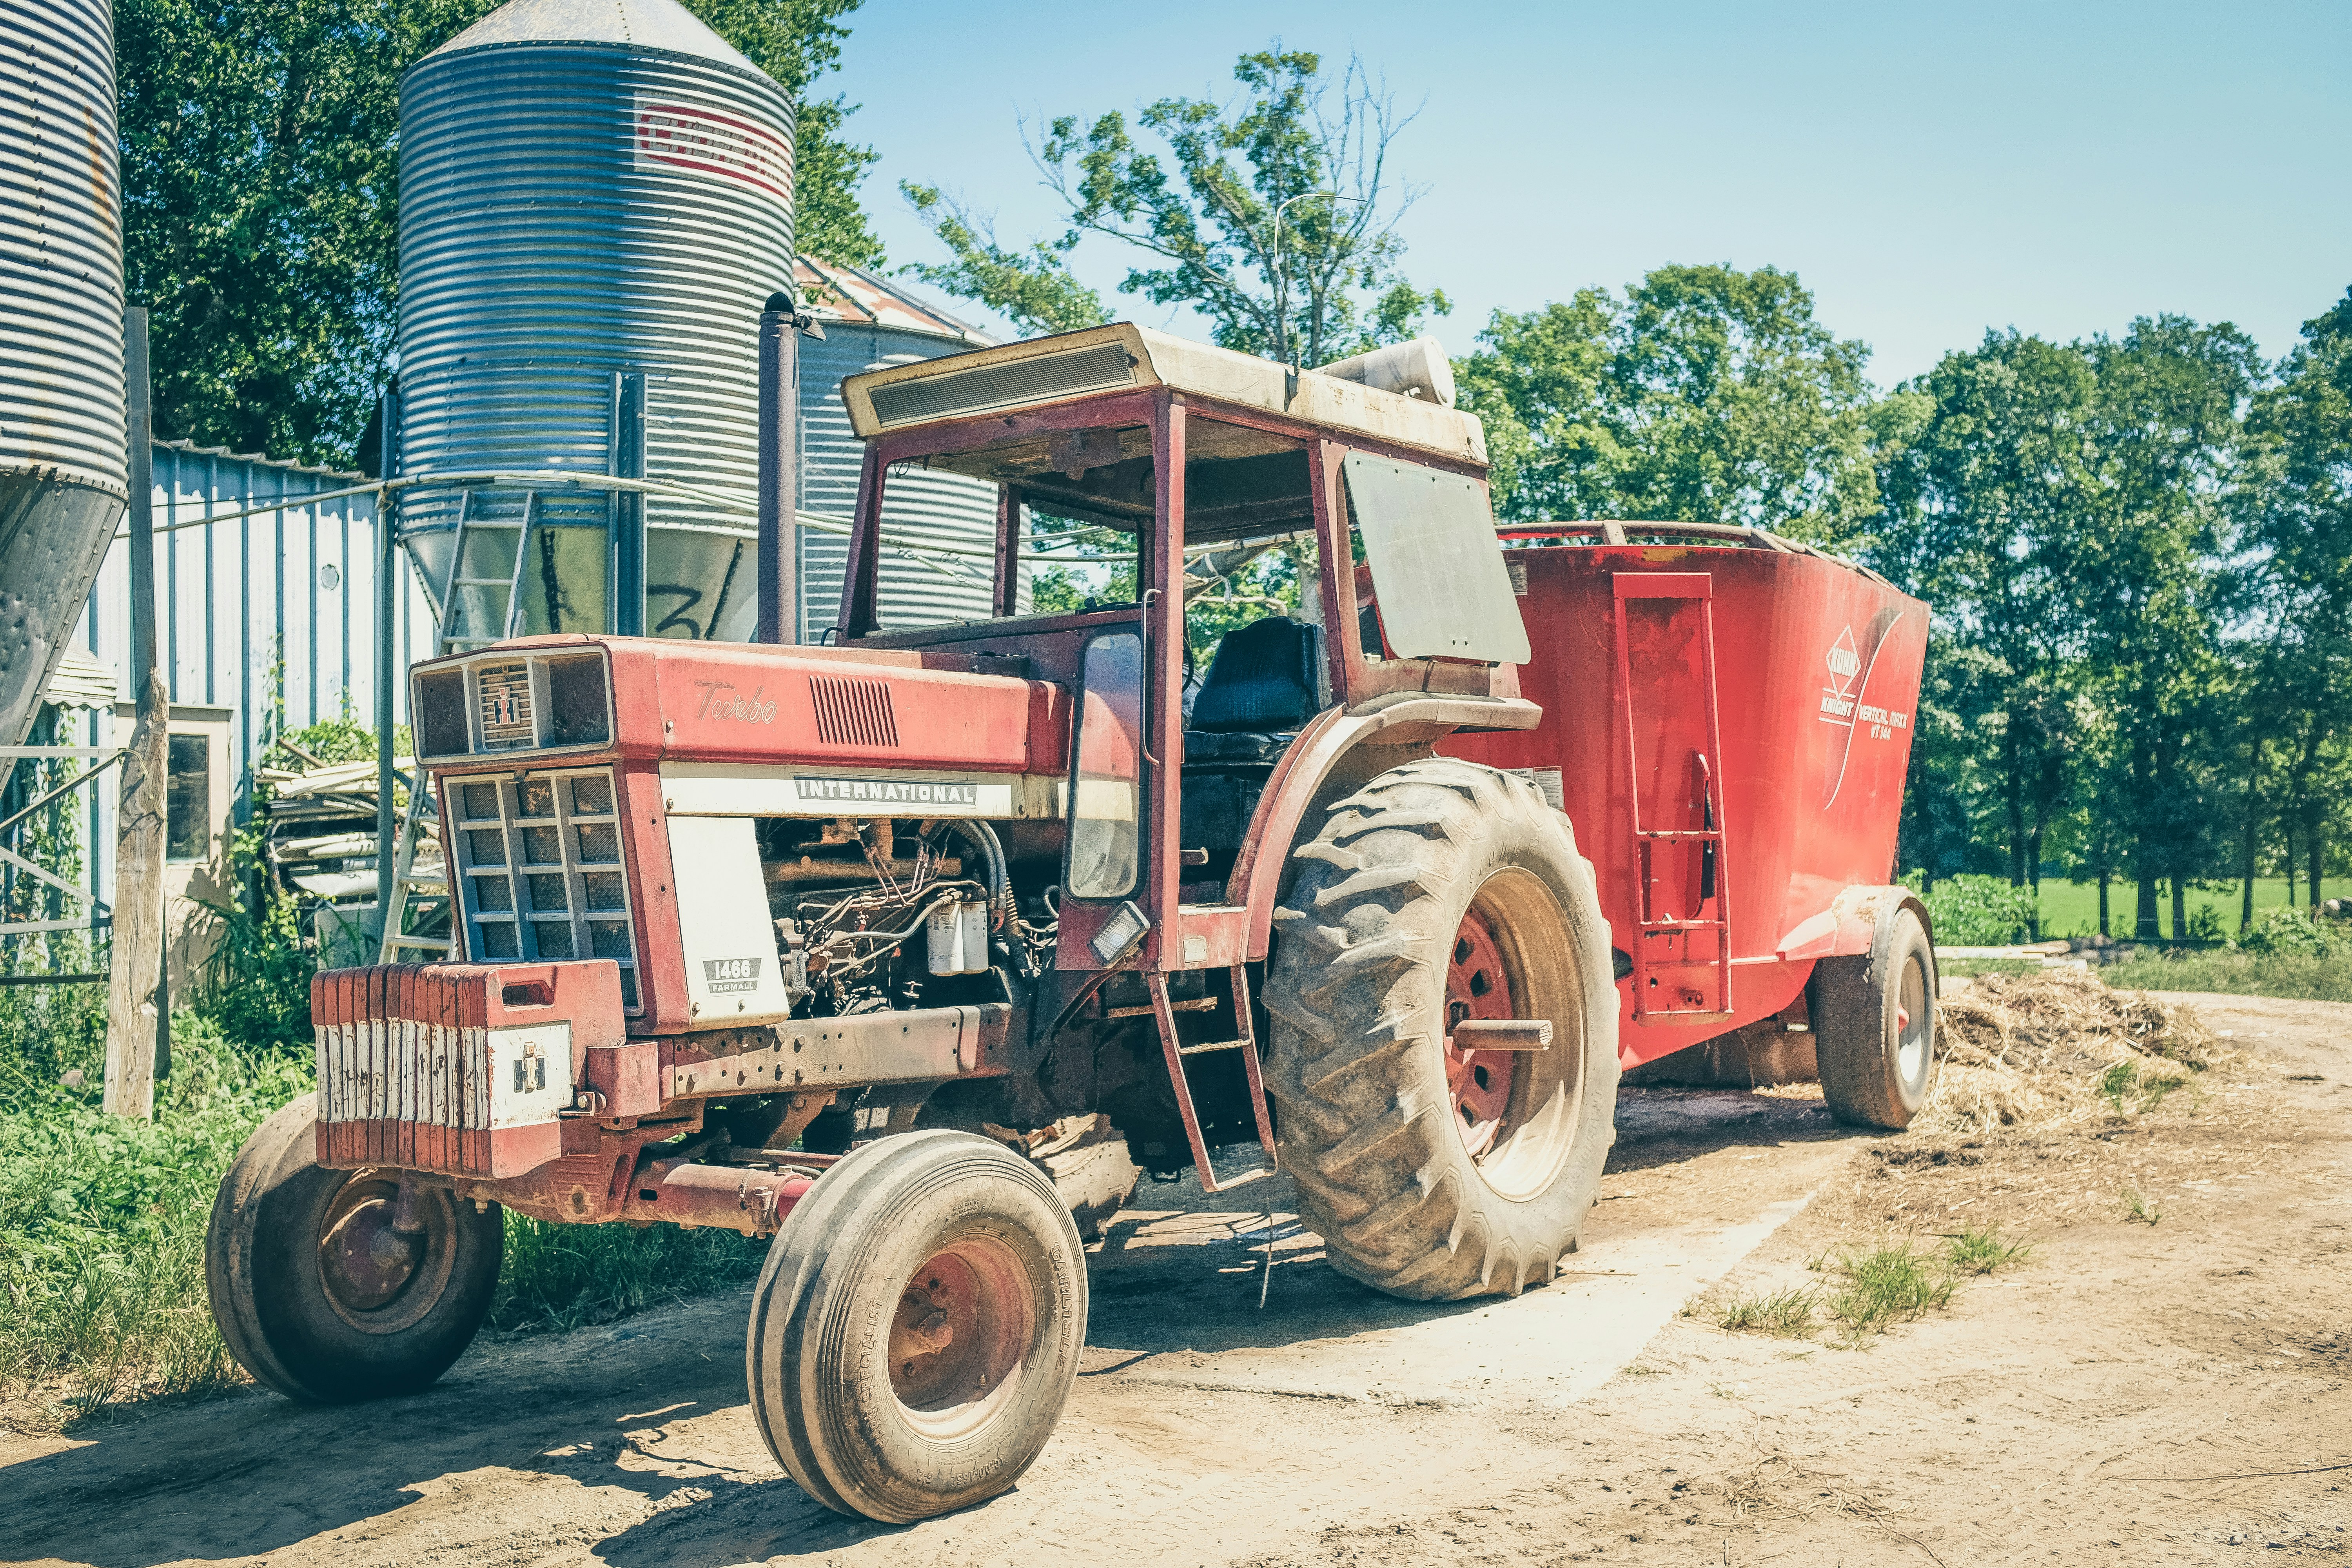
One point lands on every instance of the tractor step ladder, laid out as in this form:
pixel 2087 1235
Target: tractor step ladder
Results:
pixel 1175 1051
pixel 449 636
pixel 1707 838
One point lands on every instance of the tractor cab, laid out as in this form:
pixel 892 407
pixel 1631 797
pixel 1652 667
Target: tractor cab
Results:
pixel 1191 461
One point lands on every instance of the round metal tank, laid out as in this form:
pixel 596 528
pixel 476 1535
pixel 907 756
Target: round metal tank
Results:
pixel 871 325
pixel 589 188
pixel 62 430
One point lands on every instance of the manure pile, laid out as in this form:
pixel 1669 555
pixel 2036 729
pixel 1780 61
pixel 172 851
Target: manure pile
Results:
pixel 2042 1050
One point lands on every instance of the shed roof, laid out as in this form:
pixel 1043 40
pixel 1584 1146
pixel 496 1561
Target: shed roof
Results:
pixel 81 681
pixel 834 290
pixel 261 461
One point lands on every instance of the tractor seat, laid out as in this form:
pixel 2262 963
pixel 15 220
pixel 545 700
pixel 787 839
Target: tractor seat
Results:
pixel 1265 681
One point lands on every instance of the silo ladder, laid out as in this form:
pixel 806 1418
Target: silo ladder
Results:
pixel 449 637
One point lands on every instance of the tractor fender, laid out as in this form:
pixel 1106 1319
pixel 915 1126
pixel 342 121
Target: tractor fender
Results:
pixel 1859 920
pixel 1338 750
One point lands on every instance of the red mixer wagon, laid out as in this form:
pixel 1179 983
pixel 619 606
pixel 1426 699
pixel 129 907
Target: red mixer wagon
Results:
pixel 1728 721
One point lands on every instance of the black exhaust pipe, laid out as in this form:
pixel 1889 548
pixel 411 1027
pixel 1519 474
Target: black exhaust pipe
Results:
pixel 780 329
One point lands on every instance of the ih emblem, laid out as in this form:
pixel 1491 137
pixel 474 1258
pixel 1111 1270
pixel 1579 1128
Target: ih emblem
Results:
pixel 530 1069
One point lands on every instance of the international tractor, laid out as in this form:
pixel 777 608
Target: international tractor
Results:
pixel 825 943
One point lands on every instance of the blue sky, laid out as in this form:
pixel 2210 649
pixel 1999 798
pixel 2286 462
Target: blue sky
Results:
pixel 1927 172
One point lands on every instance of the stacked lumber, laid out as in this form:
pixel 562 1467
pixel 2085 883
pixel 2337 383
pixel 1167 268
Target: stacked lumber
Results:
pixel 320 824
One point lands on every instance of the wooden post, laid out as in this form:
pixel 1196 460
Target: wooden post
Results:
pixel 137 1002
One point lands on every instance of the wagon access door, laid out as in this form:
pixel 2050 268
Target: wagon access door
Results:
pixel 1669 751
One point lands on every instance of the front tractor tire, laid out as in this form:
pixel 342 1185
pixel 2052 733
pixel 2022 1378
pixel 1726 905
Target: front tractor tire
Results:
pixel 1873 1019
pixel 1440 891
pixel 915 1331
pixel 317 1295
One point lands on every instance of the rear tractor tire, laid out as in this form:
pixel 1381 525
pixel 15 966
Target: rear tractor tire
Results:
pixel 915 1331
pixel 1442 891
pixel 1873 1020
pixel 318 1296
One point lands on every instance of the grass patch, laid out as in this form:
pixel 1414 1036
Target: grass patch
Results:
pixel 1979 1249
pixel 1785 1314
pixel 1891 1285
pixel 1947 967
pixel 102 1227
pixel 102 1294
pixel 2140 1206
pixel 566 1276
pixel 1872 1291
pixel 2136 1086
pixel 2300 977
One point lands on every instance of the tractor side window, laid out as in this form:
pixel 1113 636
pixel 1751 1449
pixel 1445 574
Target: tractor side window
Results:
pixel 1105 842
pixel 1429 537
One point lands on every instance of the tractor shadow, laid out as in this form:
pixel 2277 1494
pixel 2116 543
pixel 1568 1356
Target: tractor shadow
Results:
pixel 250 1473
pixel 1668 1125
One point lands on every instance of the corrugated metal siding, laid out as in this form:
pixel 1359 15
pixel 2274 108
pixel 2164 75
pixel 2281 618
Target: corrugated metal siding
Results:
pixel 60 242
pixel 914 590
pixel 251 611
pixel 542 249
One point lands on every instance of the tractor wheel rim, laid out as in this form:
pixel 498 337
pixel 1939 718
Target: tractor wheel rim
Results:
pixel 1477 1083
pixel 377 1279
pixel 1914 1024
pixel 960 1337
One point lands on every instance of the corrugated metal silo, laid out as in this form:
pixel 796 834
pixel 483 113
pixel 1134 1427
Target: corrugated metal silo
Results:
pixel 62 420
pixel 587 188
pixel 870 325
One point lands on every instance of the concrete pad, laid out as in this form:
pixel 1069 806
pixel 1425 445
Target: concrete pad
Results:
pixel 1177 1282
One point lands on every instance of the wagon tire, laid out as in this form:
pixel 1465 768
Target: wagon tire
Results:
pixel 1433 870
pixel 315 1294
pixel 1873 1019
pixel 916 1329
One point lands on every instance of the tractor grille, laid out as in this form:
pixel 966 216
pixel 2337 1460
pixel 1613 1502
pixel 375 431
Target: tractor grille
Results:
pixel 959 395
pixel 853 712
pixel 540 871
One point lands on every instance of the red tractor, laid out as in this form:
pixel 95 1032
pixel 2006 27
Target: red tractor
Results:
pixel 805 940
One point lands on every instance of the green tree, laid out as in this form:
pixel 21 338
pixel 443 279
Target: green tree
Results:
pixel 1992 474
pixel 1705 394
pixel 260 185
pixel 2137 567
pixel 2296 497
pixel 1275 216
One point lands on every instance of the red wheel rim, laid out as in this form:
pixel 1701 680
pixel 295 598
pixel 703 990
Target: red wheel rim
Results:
pixel 1477 1083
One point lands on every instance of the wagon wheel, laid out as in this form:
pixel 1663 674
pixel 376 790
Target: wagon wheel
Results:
pixel 1873 1019
pixel 1442 891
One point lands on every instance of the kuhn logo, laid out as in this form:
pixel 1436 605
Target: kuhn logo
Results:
pixel 722 700
pixel 1844 702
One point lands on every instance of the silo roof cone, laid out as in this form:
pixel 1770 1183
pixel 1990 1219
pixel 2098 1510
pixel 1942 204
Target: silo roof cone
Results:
pixel 662 25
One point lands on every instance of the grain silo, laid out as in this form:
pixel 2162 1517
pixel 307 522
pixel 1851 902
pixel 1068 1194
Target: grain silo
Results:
pixel 590 192
pixel 870 325
pixel 62 418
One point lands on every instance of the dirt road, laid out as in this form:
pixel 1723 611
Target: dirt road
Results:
pixel 2132 1394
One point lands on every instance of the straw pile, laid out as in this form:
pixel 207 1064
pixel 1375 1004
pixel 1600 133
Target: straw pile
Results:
pixel 2045 1049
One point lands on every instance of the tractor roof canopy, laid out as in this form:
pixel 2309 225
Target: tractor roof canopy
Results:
pixel 1124 357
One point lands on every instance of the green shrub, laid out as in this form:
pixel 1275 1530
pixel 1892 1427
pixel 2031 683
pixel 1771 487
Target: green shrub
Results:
pixel 102 1226
pixel 1973 911
pixel 2289 933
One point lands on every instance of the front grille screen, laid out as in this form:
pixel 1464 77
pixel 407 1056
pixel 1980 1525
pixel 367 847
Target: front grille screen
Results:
pixel 506 706
pixel 540 864
pixel 964 393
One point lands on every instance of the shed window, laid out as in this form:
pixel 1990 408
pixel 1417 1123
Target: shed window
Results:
pixel 188 798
